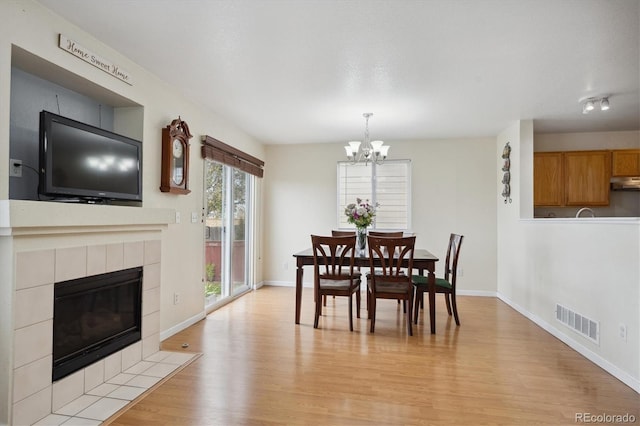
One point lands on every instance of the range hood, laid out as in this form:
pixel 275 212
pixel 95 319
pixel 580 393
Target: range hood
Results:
pixel 625 184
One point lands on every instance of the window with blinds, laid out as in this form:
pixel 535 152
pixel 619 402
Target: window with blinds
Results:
pixel 388 184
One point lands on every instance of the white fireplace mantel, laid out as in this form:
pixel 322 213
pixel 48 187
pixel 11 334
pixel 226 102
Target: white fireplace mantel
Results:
pixel 42 243
pixel 24 217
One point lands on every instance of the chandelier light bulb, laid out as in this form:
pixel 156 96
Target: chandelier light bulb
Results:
pixel 604 104
pixel 367 150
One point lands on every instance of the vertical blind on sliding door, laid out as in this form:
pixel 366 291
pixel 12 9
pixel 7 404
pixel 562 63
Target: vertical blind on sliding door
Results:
pixel 388 184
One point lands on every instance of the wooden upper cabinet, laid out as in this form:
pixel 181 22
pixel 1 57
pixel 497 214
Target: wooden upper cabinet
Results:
pixel 625 162
pixel 587 176
pixel 548 180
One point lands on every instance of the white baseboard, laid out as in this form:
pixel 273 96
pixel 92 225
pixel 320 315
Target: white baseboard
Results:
pixel 286 284
pixel 481 293
pixel 183 325
pixel 616 372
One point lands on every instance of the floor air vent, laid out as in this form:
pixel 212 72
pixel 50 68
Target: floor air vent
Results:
pixel 579 323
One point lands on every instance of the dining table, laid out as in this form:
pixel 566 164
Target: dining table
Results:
pixel 423 260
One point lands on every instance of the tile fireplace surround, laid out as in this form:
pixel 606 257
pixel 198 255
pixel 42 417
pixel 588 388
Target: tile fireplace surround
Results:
pixel 43 256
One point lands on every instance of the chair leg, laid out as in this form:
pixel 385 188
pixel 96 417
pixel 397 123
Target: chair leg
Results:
pixel 372 314
pixel 409 303
pixel 317 314
pixel 448 302
pixel 324 300
pixel 358 303
pixel 351 312
pixel 419 300
pixel 455 308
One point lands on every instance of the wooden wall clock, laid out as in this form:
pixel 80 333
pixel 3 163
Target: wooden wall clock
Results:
pixel 174 173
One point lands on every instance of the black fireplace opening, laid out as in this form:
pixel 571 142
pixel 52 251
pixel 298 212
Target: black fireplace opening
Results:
pixel 94 317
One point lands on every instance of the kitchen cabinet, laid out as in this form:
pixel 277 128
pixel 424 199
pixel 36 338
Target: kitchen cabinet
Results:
pixel 625 162
pixel 548 182
pixel 587 177
pixel 571 178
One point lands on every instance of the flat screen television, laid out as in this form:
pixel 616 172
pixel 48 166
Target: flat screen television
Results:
pixel 80 162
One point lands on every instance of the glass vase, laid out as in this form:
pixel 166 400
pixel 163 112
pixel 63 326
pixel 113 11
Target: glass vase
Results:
pixel 361 240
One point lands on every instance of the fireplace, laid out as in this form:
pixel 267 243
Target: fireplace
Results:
pixel 94 317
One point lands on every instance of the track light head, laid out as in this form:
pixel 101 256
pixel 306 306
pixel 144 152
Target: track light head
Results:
pixel 590 104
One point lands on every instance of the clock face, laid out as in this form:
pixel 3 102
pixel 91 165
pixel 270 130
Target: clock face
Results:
pixel 178 148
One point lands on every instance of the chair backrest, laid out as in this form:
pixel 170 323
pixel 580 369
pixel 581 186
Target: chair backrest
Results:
pixel 333 257
pixel 451 261
pixel 391 253
pixel 335 233
pixel 391 234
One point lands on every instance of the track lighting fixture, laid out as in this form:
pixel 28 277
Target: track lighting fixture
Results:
pixel 590 104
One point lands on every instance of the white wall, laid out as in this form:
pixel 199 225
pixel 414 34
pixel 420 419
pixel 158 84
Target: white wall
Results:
pixel 36 30
pixel 589 266
pixel 29 26
pixel 453 190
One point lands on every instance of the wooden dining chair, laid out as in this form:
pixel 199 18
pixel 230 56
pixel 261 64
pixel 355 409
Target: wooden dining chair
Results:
pixel 445 285
pixel 390 280
pixel 334 274
pixel 390 234
pixel 337 233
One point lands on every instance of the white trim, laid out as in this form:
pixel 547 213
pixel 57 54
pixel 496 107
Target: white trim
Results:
pixel 585 220
pixel 286 284
pixel 476 293
pixel 181 326
pixel 616 372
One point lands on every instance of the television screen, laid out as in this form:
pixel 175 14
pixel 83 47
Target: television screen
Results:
pixel 84 162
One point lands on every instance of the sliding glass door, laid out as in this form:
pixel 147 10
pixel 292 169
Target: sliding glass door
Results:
pixel 228 213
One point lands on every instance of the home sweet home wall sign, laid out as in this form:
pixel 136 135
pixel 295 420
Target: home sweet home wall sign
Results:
pixel 97 61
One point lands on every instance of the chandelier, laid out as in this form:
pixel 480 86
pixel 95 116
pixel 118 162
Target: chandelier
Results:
pixel 363 152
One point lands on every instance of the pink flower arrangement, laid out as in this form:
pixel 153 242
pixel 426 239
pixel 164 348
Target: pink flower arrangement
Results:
pixel 361 213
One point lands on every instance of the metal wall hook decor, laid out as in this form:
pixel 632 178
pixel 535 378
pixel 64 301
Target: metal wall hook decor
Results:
pixel 506 177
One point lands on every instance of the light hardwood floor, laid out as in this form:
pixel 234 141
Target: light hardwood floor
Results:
pixel 259 368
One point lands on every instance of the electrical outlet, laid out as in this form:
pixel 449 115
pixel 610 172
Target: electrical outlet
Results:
pixel 622 331
pixel 176 298
pixel 285 266
pixel 177 217
pixel 15 168
pixel 460 272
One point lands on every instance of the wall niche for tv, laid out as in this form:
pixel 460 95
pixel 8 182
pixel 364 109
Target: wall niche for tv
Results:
pixel 37 85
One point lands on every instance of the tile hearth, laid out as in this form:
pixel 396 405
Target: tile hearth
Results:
pixel 106 399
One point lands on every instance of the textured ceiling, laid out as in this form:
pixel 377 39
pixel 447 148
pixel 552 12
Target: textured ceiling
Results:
pixel 302 71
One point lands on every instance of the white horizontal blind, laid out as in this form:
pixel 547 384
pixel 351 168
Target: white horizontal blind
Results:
pixel 392 191
pixel 388 184
pixel 354 181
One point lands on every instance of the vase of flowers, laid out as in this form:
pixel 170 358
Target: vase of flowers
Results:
pixel 361 214
pixel 361 239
